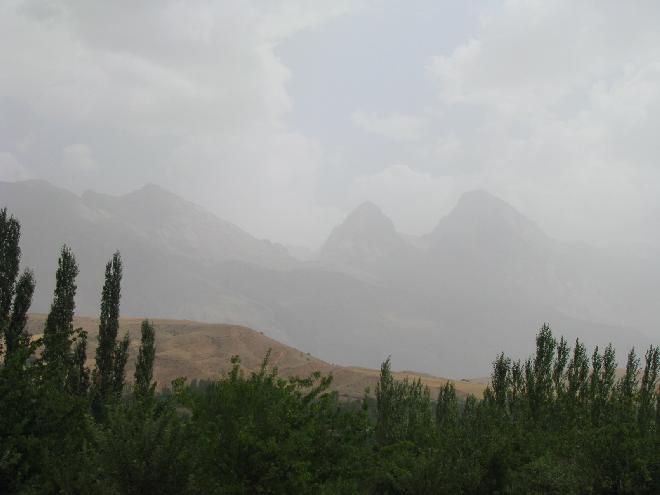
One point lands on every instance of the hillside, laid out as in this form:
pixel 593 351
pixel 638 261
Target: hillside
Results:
pixel 203 351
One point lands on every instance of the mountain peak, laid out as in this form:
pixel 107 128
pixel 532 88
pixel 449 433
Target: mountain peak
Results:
pixel 480 199
pixel 368 214
pixel 366 234
pixel 482 214
pixel 483 207
pixel 154 191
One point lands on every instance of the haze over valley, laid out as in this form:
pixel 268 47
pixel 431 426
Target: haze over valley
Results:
pixel 481 282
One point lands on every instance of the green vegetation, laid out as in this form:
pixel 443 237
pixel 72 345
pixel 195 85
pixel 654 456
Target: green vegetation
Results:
pixel 560 422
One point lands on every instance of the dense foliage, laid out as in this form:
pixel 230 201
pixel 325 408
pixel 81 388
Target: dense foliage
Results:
pixel 560 422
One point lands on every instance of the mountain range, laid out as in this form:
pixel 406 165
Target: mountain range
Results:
pixel 481 282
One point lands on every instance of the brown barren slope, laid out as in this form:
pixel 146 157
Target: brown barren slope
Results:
pixel 203 351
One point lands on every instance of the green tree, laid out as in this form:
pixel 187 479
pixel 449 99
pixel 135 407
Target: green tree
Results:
pixel 447 410
pixel 108 350
pixel 540 379
pixel 559 368
pixel 58 331
pixel 403 409
pixel 602 395
pixel 500 379
pixel 79 377
pixel 10 255
pixel 647 388
pixel 577 377
pixel 119 367
pixel 16 336
pixel 140 450
pixel 13 316
pixel 627 388
pixel 144 366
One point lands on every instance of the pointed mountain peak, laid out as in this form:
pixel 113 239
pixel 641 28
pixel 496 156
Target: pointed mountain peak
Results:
pixel 484 207
pixel 480 213
pixel 367 206
pixel 153 191
pixel 479 196
pixel 480 200
pixel 368 214
pixel 366 235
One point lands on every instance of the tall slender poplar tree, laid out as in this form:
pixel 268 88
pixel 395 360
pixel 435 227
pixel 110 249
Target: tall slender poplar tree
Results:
pixel 10 255
pixel 12 324
pixel 16 336
pixel 144 367
pixel 58 331
pixel 108 352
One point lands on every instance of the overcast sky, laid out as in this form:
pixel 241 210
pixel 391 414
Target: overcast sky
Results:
pixel 283 116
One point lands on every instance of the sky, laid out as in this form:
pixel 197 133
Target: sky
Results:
pixel 282 116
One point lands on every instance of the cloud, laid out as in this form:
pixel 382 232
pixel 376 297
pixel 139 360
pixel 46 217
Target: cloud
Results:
pixel 414 200
pixel 79 158
pixel 191 95
pixel 562 114
pixel 11 169
pixel 266 177
pixel 553 105
pixel 396 127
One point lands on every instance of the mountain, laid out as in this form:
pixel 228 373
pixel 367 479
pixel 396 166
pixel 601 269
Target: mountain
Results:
pixel 483 281
pixel 366 235
pixel 366 245
pixel 160 217
pixel 484 246
pixel 167 244
pixel 505 255
pixel 486 275
pixel 481 217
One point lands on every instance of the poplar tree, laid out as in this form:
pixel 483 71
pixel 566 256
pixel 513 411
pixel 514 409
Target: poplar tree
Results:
pixel 594 385
pixel 386 401
pixel 10 255
pixel 578 377
pixel 13 316
pixel 119 367
pixel 16 336
pixel 627 389
pixel 79 377
pixel 605 385
pixel 499 381
pixel 542 371
pixel 58 330
pixel 559 367
pixel 647 388
pixel 107 349
pixel 447 411
pixel 403 409
pixel 145 361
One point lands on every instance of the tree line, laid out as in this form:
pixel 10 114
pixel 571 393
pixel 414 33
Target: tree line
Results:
pixel 563 421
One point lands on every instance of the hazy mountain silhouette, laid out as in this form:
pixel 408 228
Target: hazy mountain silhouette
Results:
pixel 366 242
pixel 481 282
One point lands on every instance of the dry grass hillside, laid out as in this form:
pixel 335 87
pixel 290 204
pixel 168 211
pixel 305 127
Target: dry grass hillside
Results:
pixel 203 351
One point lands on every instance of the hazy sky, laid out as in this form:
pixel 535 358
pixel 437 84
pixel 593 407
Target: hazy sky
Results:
pixel 282 116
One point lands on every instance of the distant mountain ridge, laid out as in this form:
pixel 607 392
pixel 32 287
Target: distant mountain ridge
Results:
pixel 481 282
pixel 185 227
